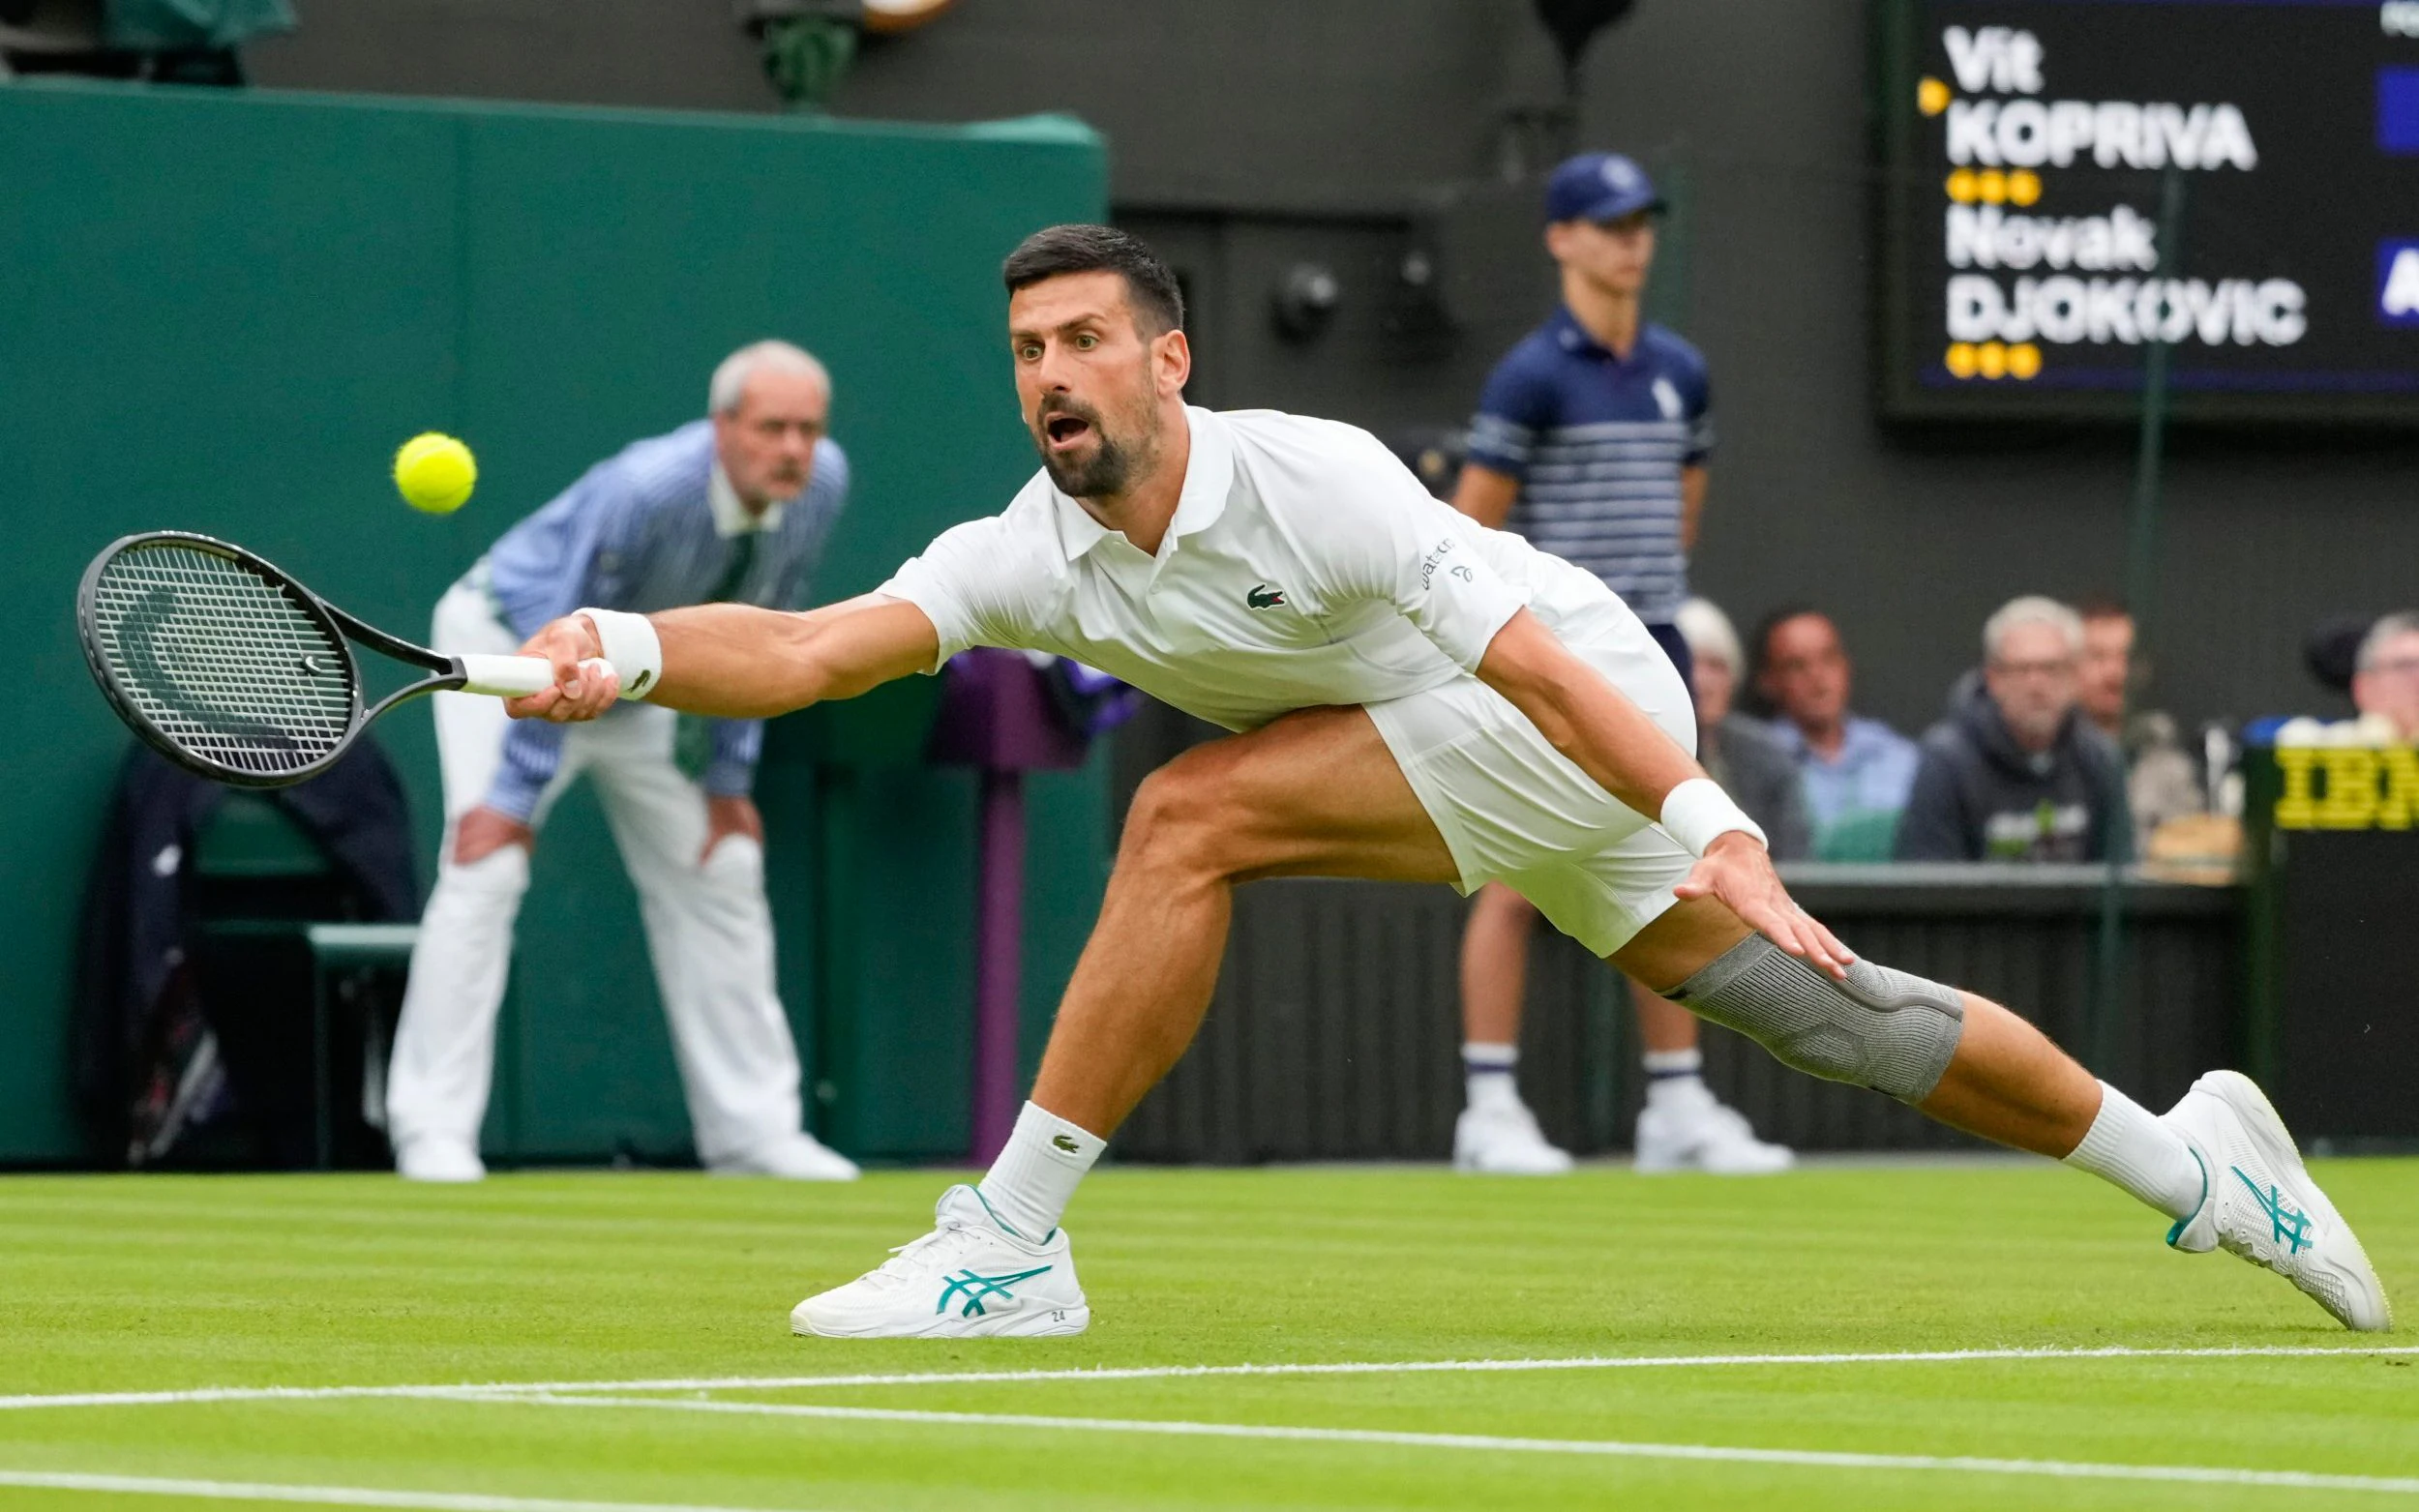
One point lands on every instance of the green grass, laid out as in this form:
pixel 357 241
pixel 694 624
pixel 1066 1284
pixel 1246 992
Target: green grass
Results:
pixel 134 1284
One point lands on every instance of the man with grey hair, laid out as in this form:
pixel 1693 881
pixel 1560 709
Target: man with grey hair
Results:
pixel 2385 676
pixel 731 508
pixel 2015 773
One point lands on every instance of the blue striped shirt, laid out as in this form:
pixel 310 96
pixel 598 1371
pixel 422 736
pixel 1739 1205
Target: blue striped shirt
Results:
pixel 641 532
pixel 1597 442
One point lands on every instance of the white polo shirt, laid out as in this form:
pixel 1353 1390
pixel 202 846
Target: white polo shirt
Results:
pixel 1304 567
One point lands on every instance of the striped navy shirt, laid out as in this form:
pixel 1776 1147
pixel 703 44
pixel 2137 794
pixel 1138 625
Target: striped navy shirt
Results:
pixel 1597 442
pixel 653 528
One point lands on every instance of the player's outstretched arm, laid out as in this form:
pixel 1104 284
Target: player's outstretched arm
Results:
pixel 1612 740
pixel 736 662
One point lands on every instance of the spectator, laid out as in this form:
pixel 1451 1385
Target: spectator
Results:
pixel 1855 772
pixel 2017 773
pixel 1734 749
pixel 2385 676
pixel 2104 683
pixel 2162 780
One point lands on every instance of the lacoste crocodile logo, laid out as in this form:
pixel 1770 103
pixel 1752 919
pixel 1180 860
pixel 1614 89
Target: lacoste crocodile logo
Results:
pixel 1265 596
pixel 1066 1144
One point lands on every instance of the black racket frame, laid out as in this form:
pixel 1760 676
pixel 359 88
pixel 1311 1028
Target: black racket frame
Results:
pixel 343 630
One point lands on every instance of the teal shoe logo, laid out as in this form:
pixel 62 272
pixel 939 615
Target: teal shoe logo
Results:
pixel 2290 1229
pixel 976 1287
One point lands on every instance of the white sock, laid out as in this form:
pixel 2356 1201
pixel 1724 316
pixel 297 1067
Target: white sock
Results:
pixel 1035 1176
pixel 1673 1075
pixel 1487 1076
pixel 2127 1146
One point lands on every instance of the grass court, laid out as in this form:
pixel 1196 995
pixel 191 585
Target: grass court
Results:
pixel 1848 1336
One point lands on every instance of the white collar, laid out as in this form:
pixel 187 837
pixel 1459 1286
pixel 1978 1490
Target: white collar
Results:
pixel 731 516
pixel 1208 476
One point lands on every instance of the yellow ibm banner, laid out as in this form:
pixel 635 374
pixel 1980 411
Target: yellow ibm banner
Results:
pixel 2347 786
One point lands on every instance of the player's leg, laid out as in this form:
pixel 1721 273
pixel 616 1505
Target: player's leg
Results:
pixel 2220 1163
pixel 710 935
pixel 1495 1133
pixel 444 1056
pixel 1966 1061
pixel 1317 794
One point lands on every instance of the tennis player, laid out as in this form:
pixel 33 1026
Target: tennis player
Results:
pixel 1417 698
pixel 735 507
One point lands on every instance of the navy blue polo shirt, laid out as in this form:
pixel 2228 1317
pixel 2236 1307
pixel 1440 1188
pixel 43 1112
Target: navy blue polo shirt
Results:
pixel 1597 442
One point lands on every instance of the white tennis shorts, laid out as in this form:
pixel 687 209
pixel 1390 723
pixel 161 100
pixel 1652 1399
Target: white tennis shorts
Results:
pixel 1514 809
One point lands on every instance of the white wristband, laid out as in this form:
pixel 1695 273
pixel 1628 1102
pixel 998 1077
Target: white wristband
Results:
pixel 629 643
pixel 1698 812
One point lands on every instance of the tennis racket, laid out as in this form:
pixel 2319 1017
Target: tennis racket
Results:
pixel 234 670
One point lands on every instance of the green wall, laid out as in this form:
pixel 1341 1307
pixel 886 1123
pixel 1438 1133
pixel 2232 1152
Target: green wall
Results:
pixel 222 312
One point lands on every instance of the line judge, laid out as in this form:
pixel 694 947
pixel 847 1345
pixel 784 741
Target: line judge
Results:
pixel 734 507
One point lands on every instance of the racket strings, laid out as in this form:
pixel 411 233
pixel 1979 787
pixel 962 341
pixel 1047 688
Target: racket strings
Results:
pixel 222 662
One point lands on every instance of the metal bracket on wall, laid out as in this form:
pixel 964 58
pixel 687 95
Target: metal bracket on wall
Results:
pixel 809 45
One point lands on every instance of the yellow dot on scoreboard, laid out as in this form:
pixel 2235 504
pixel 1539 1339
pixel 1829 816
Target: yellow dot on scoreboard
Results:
pixel 1961 360
pixel 2023 186
pixel 1931 95
pixel 2023 360
pixel 1991 360
pixel 1961 186
pixel 1991 187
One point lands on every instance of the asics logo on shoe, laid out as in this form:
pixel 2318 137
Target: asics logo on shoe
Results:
pixel 2290 1229
pixel 974 1288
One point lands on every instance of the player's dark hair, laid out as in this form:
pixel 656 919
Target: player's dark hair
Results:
pixel 2100 606
pixel 1055 250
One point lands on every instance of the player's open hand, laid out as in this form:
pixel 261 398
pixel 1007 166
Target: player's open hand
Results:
pixel 585 685
pixel 1738 871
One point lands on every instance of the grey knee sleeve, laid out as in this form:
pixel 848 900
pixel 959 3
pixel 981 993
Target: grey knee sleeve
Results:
pixel 1881 1029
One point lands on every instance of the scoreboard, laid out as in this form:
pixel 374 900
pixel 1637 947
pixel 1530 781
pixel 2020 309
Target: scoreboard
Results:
pixel 2026 145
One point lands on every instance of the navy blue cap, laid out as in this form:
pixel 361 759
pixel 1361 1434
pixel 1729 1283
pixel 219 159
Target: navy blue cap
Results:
pixel 1599 186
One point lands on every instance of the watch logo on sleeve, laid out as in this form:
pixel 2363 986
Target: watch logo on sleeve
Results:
pixel 1429 563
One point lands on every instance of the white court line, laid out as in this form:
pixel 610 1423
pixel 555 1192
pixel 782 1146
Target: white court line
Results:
pixel 476 1389
pixel 327 1496
pixel 2063 1469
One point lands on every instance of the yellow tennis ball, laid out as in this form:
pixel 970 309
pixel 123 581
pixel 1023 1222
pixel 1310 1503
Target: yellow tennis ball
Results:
pixel 435 473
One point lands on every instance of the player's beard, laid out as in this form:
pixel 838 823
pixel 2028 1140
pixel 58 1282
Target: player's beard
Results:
pixel 1113 465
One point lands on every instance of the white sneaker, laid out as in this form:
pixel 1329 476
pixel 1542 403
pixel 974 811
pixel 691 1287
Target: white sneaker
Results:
pixel 799 1158
pixel 433 1158
pixel 1502 1139
pixel 969 1277
pixel 1693 1130
pixel 2260 1202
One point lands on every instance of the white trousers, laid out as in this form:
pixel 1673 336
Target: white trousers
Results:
pixel 708 928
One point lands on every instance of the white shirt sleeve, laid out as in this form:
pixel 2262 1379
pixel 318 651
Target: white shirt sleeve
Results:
pixel 969 583
pixel 1377 534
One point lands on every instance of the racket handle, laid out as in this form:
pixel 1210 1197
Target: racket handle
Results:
pixel 512 676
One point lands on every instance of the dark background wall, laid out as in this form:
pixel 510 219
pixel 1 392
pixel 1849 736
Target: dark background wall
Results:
pixel 1248 134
